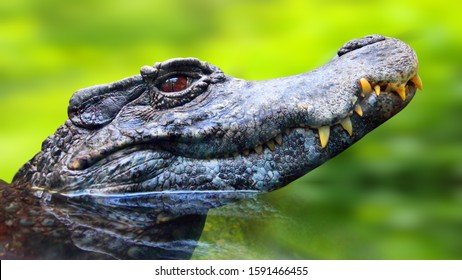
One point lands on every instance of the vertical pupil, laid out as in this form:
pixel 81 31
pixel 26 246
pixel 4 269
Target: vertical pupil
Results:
pixel 175 84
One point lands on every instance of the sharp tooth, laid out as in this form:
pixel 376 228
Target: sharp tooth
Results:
pixel 401 90
pixel 377 90
pixel 365 85
pixel 235 154
pixel 359 110
pixel 75 164
pixel 259 149
pixel 346 124
pixel 246 152
pixel 270 145
pixel 278 139
pixel 324 132
pixel 417 81
pixel 287 131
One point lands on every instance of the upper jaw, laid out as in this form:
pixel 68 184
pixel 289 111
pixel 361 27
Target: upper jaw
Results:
pixel 375 76
pixel 318 100
pixel 259 113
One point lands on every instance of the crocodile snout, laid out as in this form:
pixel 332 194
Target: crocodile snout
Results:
pixel 185 125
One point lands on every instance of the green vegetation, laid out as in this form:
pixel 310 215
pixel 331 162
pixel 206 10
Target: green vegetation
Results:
pixel 397 194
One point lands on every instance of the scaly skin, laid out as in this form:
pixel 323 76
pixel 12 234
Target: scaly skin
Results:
pixel 182 125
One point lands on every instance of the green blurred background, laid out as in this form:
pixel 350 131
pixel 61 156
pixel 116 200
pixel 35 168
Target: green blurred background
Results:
pixel 397 194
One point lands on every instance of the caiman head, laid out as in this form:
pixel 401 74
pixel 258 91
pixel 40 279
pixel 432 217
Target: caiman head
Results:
pixel 183 125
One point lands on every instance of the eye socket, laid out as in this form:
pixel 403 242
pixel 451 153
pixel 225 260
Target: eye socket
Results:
pixel 175 84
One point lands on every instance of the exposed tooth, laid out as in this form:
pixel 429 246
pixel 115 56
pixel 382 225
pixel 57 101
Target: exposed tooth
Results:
pixel 270 145
pixel 365 85
pixel 359 110
pixel 324 132
pixel 259 149
pixel 75 164
pixel 346 124
pixel 235 154
pixel 246 152
pixel 417 81
pixel 287 131
pixel 278 139
pixel 377 90
pixel 401 90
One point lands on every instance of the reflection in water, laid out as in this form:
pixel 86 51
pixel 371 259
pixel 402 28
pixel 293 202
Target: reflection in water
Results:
pixel 233 231
pixel 142 226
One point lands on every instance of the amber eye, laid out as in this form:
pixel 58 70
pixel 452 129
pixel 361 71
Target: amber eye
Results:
pixel 175 84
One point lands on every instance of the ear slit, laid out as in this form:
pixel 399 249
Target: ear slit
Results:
pixel 96 106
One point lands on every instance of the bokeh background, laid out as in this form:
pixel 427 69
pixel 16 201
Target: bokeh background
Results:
pixel 397 194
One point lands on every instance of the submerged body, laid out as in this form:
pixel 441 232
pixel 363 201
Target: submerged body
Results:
pixel 182 127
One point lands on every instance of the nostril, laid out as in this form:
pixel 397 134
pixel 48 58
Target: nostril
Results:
pixel 359 43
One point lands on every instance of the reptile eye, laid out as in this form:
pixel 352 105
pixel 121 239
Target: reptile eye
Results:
pixel 175 84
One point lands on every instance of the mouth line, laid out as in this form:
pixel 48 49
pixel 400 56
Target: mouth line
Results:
pixel 366 88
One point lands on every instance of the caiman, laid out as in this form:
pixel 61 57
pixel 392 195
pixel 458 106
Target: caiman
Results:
pixel 133 171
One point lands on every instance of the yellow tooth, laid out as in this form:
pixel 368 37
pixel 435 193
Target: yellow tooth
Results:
pixel 287 131
pixel 401 90
pixel 417 81
pixel 259 149
pixel 163 219
pixel 246 152
pixel 75 164
pixel 270 145
pixel 359 110
pixel 365 85
pixel 377 90
pixel 324 132
pixel 278 139
pixel 346 124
